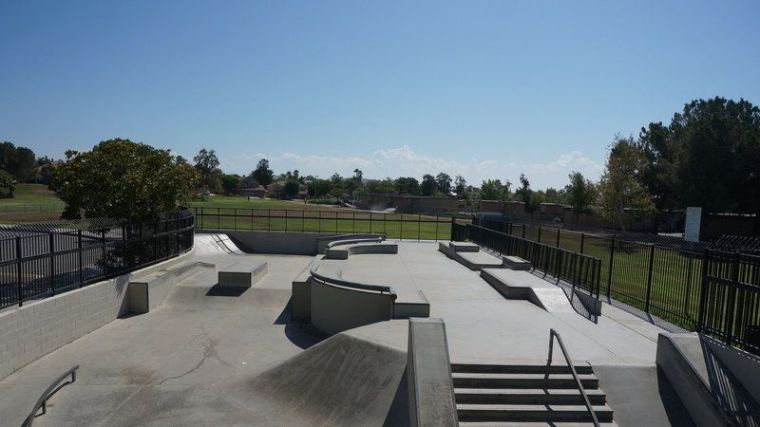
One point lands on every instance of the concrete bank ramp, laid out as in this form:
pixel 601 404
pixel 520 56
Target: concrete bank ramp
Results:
pixel 215 244
pixel 345 380
pixel 514 284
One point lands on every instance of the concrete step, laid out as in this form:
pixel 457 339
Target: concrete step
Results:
pixel 532 413
pixel 522 381
pixel 528 396
pixel 520 368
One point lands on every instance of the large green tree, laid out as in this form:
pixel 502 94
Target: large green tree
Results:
pixel 428 185
pixel 407 185
pixel 262 174
pixel 207 164
pixel 621 187
pixel 581 193
pixel 20 162
pixel 527 195
pixel 493 189
pixel 119 178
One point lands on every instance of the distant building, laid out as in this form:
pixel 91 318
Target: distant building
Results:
pixel 259 191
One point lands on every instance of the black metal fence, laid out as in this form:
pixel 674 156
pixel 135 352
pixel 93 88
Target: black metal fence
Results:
pixel 730 299
pixel 579 270
pixel 41 260
pixel 393 225
pixel 663 278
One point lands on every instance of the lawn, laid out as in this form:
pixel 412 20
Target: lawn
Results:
pixel 31 203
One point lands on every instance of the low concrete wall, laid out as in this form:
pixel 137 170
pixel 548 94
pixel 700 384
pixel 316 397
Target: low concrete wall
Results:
pixel 428 370
pixel 336 308
pixel 708 390
pixel 274 242
pixel 38 328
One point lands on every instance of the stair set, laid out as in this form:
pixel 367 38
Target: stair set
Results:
pixel 524 395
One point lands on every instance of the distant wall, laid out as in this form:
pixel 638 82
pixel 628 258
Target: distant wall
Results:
pixel 38 328
pixel 715 226
pixel 413 204
pixel 274 242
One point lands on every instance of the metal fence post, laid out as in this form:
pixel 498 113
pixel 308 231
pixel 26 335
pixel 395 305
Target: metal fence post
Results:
pixel 703 291
pixel 52 263
pixel 731 305
pixel 649 279
pixel 18 272
pixel 539 234
pixel 583 239
pixel 609 275
pixel 79 251
pixel 558 235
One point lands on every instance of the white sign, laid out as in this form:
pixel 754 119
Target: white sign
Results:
pixel 693 224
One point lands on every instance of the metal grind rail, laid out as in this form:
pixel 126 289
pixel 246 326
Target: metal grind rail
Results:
pixel 554 334
pixel 48 393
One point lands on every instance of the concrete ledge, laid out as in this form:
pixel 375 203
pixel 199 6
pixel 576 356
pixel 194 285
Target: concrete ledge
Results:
pixel 242 274
pixel 464 247
pixel 516 263
pixel 428 369
pixel 301 292
pixel 474 260
pixel 523 285
pixel 150 291
pixel 681 359
pixel 411 303
pixel 343 252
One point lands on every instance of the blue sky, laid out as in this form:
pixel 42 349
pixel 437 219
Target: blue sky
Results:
pixel 482 88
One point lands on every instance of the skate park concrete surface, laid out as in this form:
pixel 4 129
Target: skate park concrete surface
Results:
pixel 207 357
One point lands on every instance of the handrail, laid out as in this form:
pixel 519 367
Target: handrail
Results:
pixel 339 282
pixel 552 335
pixel 352 241
pixel 48 393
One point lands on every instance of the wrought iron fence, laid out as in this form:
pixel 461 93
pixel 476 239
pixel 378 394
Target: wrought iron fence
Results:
pixel 579 270
pixel 662 279
pixel 393 225
pixel 730 299
pixel 41 260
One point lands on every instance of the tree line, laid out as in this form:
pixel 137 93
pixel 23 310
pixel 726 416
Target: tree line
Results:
pixel 708 156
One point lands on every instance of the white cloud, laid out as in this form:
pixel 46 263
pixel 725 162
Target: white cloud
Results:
pixel 403 161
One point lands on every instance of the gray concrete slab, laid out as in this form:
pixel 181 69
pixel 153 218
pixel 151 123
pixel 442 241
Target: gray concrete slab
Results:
pixel 193 360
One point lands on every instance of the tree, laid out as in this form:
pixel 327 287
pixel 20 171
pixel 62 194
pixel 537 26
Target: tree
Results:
pixel 376 186
pixel 358 175
pixel 526 194
pixel 460 186
pixel 230 183
pixel 620 186
pixel 581 193
pixel 443 183
pixel 123 179
pixel 407 185
pixel 207 165
pixel 7 184
pixel 428 185
pixel 290 189
pixel 493 189
pixel 317 188
pixel 262 173
pixel 20 162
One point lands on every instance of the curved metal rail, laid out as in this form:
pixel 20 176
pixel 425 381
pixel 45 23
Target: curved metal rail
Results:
pixel 48 393
pixel 383 289
pixel 552 335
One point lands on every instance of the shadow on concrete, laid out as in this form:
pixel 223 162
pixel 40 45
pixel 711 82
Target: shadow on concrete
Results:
pixel 674 409
pixel 303 334
pixel 398 414
pixel 225 291
pixel 732 397
pixel 286 314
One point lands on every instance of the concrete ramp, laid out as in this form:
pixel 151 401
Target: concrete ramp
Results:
pixel 343 381
pixel 215 244
pixel 515 284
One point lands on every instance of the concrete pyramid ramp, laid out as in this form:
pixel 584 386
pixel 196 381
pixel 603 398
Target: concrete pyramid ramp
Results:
pixel 342 381
pixel 214 244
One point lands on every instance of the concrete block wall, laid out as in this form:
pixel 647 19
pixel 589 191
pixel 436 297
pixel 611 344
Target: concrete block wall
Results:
pixel 38 328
